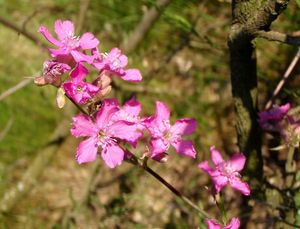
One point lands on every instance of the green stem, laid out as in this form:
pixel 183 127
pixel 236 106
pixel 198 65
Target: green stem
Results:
pixel 289 160
pixel 78 107
pixel 290 167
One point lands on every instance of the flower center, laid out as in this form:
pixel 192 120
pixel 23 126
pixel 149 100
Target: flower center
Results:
pixel 71 42
pixel 105 140
pixel 228 170
pixel 79 88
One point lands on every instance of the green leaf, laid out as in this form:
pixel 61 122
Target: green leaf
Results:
pixel 180 22
pixel 298 3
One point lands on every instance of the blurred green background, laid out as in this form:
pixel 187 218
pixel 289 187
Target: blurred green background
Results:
pixel 185 63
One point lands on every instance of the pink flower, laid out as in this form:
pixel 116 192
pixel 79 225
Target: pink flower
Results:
pixel 68 44
pixel 234 224
pixel 77 89
pixel 163 134
pixel 115 62
pixel 270 119
pixel 52 71
pixel 130 112
pixel 226 172
pixel 104 133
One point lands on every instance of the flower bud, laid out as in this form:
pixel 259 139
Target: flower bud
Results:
pixel 60 98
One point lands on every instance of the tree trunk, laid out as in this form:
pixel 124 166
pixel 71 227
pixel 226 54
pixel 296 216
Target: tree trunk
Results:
pixel 249 17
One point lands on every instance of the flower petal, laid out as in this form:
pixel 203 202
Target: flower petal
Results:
pixel 234 224
pixel 64 29
pixel 158 146
pixel 83 126
pixel 116 58
pixel 205 167
pixel 112 155
pixel 132 107
pixel 88 41
pixel 132 75
pixel 79 72
pixel 109 107
pixel 211 224
pixel 81 57
pixel 237 162
pixel 124 130
pixel 44 31
pixel 219 182
pixel 87 151
pixel 185 126
pixel 242 187
pixel 184 147
pixel 162 111
pixel 60 53
pixel 216 156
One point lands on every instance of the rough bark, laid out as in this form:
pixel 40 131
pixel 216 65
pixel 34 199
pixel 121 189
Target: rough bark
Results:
pixel 248 17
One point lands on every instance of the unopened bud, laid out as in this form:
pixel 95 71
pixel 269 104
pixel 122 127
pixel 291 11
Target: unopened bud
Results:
pixel 101 94
pixel 103 80
pixel 40 81
pixel 60 98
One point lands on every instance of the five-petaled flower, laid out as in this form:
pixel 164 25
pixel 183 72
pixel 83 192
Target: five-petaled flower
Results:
pixel 270 120
pixel 226 171
pixel 163 134
pixel 69 46
pixel 233 224
pixel 77 89
pixel 115 62
pixel 104 132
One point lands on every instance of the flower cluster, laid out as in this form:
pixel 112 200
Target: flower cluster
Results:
pixel 70 55
pixel 114 124
pixel 223 173
pixel 280 120
pixel 108 128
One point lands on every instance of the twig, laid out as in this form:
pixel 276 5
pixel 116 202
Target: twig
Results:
pixel 15 88
pixel 284 79
pixel 174 191
pixel 83 7
pixel 280 37
pixel 34 13
pixel 22 31
pixel 6 129
pixel 142 29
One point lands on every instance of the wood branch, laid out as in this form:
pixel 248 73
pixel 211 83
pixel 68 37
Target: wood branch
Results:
pixel 15 88
pixel 6 129
pixel 84 5
pixel 248 17
pixel 22 31
pixel 143 28
pixel 265 15
pixel 280 37
pixel 284 79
